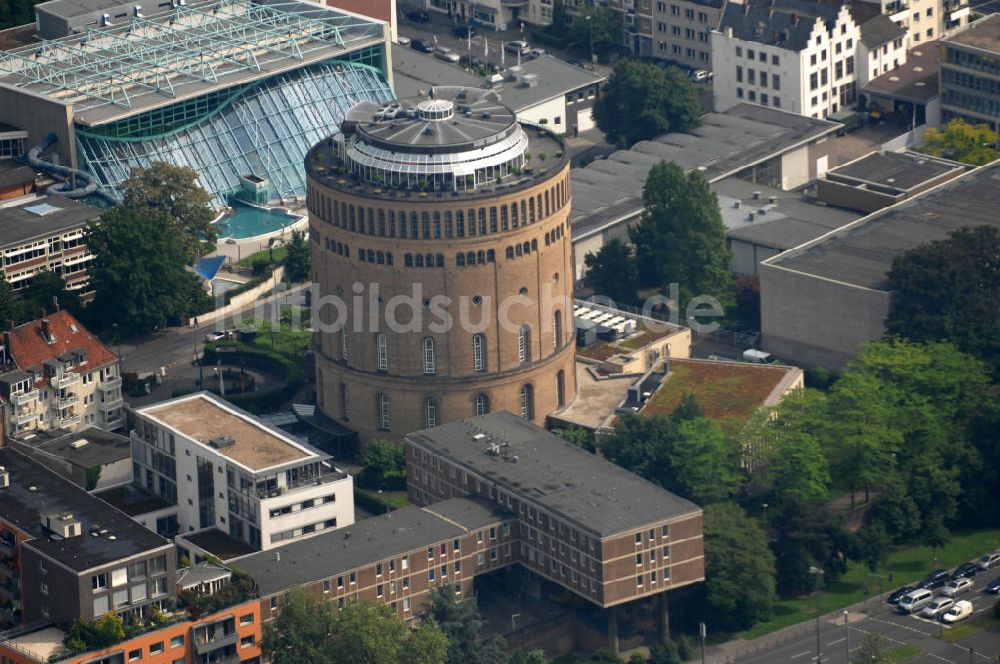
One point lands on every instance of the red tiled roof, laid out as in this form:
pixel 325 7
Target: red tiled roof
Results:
pixel 29 348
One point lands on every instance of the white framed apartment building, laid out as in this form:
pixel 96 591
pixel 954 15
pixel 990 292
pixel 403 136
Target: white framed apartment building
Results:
pixel 779 56
pixel 925 20
pixel 682 30
pixel 225 469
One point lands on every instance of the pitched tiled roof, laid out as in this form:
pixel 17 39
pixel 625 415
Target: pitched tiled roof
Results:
pixel 786 24
pixel 29 348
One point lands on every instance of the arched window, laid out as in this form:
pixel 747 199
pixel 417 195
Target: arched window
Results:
pixel 407 260
pixel 478 352
pixel 437 225
pixel 371 221
pixel 509 253
pixel 382 352
pixel 504 222
pixel 557 330
pixel 470 258
pixel 548 240
pixel 513 215
pixel 425 225
pixel 480 256
pixel 460 260
pixel 343 345
pixel 418 260
pixel 531 210
pixel 527 402
pixel 380 258
pixel 414 226
pixel 381 222
pixel 472 221
pixel 527 248
pixel 491 256
pixel 482 221
pixel 429 260
pixel 517 250
pixel 361 255
pixel 460 224
pixel 392 223
pixel 402 225
pixel 347 251
pixel 430 413
pixel 482 404
pixel 388 258
pixel 440 260
pixel 383 412
pixel 546 203
pixel 493 220
pixel 534 244
pixel 524 344
pixel 447 224
pixel 430 366
pixel 560 389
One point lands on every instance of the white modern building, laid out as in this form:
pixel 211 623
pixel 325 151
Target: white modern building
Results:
pixel 924 20
pixel 495 14
pixel 225 469
pixel 790 54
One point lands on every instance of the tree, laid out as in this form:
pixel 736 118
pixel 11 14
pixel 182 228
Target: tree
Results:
pixel 874 649
pixel 172 194
pixel 530 657
pixel 969 144
pixel 594 26
pixel 462 624
pixel 46 290
pixel 611 272
pixel 641 101
pixel 384 462
pixel 642 445
pixel 680 238
pixel 807 538
pixel 108 630
pixel 874 546
pixel 10 307
pixel 579 437
pixel 948 289
pixel 705 463
pixel 739 568
pixel 138 272
pixel 297 261
pixel 797 466
pixel 301 632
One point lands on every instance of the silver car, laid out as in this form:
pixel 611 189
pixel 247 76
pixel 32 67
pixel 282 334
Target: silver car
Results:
pixel 938 606
pixel 446 54
pixel 988 560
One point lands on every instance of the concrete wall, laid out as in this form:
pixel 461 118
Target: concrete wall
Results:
pixel 553 112
pixel 747 256
pixel 817 322
pixel 40 116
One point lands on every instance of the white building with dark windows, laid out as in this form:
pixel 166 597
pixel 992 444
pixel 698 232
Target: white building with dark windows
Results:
pixel 228 471
pixel 794 55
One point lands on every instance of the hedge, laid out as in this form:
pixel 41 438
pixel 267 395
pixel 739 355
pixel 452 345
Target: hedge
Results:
pixel 555 41
pixel 378 503
pixel 292 375
pixel 392 481
pixel 257 280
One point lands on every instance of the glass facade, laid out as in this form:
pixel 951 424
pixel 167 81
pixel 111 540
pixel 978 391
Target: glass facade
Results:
pixel 264 128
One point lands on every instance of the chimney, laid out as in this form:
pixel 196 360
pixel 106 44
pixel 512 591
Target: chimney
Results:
pixel 10 325
pixel 46 331
pixel 746 8
pixel 795 18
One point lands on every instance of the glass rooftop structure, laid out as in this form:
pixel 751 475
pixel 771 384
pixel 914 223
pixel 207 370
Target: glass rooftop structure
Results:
pixel 228 87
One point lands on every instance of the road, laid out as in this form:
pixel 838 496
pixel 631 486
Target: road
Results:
pixel 174 346
pixel 800 647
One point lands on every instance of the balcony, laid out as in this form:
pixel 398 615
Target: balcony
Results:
pixel 68 400
pixel 20 419
pixel 67 380
pixel 69 420
pixel 24 398
pixel 203 645
pixel 110 384
pixel 110 404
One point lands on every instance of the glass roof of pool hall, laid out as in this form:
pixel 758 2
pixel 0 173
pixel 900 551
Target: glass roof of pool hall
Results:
pixel 263 128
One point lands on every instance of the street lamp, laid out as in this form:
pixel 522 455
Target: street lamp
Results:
pixel 765 506
pixel 590 29
pixel 847 634
pixel 818 573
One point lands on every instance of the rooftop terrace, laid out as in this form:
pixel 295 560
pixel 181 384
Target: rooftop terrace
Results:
pixel 983 34
pixel 203 417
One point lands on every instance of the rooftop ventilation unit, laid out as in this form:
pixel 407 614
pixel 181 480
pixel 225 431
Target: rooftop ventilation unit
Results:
pixel 222 442
pixel 106 20
pixel 4 478
pixel 77 444
pixel 62 524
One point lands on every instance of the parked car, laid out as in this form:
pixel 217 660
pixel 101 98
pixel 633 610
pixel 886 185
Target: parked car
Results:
pixel 536 53
pixel 957 586
pixel 960 610
pixel 218 335
pixel 965 570
pixel 517 46
pixel 575 63
pixel 937 606
pixel 422 45
pixel 418 17
pixel 471 61
pixel 403 41
pixel 915 600
pixel 464 31
pixel 988 560
pixel 935 579
pixel 701 75
pixel 993 587
pixel 898 595
pixel 446 54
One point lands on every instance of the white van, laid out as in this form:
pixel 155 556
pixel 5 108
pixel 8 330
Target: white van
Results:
pixel 914 601
pixel 757 356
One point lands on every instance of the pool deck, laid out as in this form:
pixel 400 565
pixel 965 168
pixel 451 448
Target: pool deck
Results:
pixel 246 246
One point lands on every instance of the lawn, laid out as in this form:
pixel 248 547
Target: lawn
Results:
pixel 276 255
pixel 903 653
pixel 905 565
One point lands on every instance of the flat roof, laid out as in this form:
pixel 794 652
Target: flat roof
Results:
pixel 73 8
pixel 915 80
pixel 41 644
pixel 108 73
pixel 728 392
pixel 790 221
pixel 899 171
pixel 984 34
pixel 18 224
pixel 365 542
pixel 203 417
pixel 596 400
pixel 861 253
pixel 724 143
pixel 414 71
pixel 35 490
pixel 584 488
pixel 87 447
pixel 133 500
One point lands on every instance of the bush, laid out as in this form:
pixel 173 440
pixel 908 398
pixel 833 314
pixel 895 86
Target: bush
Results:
pixel 377 503
pixel 291 374
pixel 261 266
pixel 555 41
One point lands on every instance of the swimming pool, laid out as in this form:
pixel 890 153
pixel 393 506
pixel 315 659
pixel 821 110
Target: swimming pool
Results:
pixel 247 221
